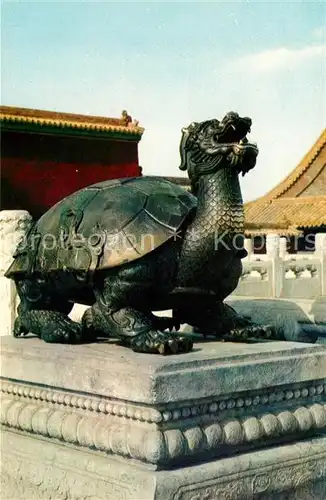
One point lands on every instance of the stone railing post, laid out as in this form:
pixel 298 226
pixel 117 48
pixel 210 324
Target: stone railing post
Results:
pixel 320 252
pixel 283 247
pixel 273 254
pixel 248 246
pixel 13 226
pixel 272 245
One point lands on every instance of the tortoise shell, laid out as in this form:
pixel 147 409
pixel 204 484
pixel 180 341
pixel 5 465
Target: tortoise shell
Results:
pixel 104 225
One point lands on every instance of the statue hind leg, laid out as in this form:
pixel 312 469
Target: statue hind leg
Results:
pixel 44 314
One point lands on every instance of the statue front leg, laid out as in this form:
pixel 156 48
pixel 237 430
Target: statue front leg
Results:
pixel 121 312
pixel 210 316
pixel 136 329
pixel 240 329
pixel 221 321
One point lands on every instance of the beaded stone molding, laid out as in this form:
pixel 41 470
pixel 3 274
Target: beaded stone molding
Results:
pixel 171 412
pixel 159 437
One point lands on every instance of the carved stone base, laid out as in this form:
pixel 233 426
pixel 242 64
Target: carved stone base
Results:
pixel 38 469
pixel 226 421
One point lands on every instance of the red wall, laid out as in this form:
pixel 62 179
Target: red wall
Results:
pixel 39 170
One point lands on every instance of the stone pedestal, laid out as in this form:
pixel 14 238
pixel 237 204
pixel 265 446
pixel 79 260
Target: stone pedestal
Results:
pixel 226 421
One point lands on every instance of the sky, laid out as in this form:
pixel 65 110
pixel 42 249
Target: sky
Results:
pixel 171 63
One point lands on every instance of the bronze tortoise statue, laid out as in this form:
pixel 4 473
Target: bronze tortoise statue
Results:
pixel 131 246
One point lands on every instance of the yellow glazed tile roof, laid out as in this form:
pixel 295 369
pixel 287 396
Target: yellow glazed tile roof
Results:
pixel 276 211
pixel 298 172
pixel 284 213
pixel 123 125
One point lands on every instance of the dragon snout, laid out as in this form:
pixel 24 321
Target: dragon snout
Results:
pixel 244 146
pixel 244 156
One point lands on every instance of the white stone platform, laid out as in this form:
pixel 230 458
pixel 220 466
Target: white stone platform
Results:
pixel 226 421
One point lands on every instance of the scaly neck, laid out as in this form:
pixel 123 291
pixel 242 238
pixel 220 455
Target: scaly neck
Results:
pixel 220 205
pixel 219 211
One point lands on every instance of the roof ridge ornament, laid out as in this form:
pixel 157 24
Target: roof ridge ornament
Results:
pixel 11 116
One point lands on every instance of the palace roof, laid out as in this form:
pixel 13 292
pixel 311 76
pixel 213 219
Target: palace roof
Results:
pixel 41 121
pixel 298 202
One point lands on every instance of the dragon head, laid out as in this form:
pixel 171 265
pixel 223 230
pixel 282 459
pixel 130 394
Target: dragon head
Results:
pixel 211 145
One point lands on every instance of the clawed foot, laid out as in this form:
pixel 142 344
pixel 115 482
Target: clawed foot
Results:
pixel 224 323
pixel 243 334
pixel 155 342
pixel 50 326
pixel 138 330
pixel 62 330
pixel 63 334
